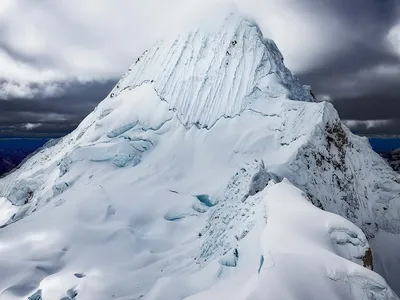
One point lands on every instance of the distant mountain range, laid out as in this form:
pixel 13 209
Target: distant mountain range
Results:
pixel 388 148
pixel 14 150
pixel 393 158
pixel 384 143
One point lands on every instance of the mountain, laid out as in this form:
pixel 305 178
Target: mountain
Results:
pixel 393 158
pixel 388 148
pixel 208 172
pixel 14 150
pixel 7 162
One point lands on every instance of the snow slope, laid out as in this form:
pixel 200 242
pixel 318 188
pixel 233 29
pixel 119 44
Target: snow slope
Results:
pixel 173 187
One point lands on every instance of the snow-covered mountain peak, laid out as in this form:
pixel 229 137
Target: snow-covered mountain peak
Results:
pixel 214 72
pixel 193 180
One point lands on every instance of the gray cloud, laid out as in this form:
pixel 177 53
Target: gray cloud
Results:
pixel 60 58
pixel 56 115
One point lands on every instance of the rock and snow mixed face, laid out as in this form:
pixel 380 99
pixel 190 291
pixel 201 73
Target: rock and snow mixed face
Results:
pixel 166 190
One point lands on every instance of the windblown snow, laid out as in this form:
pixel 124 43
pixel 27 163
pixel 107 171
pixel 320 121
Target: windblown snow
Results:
pixel 207 173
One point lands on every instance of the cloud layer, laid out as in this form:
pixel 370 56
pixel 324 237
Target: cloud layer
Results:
pixel 347 50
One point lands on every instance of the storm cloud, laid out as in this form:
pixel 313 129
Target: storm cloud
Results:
pixel 58 59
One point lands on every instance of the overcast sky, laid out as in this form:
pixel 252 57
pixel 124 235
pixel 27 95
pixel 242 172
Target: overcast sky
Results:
pixel 59 58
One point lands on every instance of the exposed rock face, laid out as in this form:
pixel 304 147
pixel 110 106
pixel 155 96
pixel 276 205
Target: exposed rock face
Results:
pixel 345 176
pixel 368 260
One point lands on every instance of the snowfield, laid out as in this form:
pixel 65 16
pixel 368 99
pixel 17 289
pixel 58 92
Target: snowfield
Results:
pixel 207 173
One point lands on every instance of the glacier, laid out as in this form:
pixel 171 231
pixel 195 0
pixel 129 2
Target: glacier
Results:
pixel 208 172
